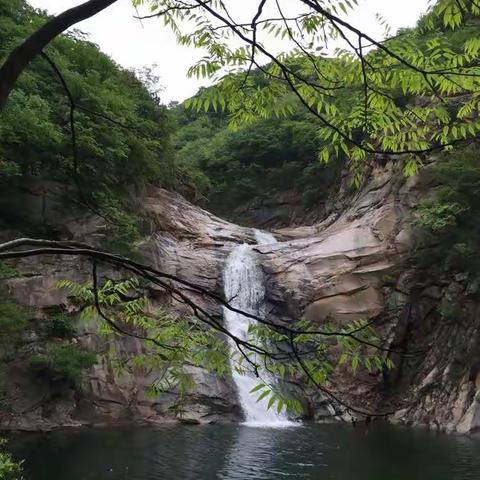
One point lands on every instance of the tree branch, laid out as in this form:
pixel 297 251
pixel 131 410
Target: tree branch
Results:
pixel 22 55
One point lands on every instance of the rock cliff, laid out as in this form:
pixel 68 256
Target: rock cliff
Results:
pixel 356 263
pixel 187 242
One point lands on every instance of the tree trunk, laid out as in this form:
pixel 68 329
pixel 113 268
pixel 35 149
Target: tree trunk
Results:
pixel 22 55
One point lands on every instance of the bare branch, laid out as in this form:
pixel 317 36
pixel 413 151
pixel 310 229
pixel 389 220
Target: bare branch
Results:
pixel 51 247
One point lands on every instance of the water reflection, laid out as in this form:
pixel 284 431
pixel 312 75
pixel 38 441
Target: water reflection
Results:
pixel 254 454
pixel 325 452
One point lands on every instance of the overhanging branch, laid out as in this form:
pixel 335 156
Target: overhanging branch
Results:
pixel 21 56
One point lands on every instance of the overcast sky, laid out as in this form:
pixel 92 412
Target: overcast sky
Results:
pixel 132 45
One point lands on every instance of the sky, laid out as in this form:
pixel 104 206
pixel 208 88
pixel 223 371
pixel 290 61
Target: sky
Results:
pixel 135 44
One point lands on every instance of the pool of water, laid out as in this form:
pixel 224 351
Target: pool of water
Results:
pixel 236 452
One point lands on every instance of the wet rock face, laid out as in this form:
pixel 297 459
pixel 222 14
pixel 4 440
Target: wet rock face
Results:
pixel 439 389
pixel 336 269
pixel 341 270
pixel 357 264
pixel 189 243
pixel 352 265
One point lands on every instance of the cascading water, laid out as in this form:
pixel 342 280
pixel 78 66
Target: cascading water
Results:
pixel 245 289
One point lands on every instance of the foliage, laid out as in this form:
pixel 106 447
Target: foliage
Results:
pixel 9 468
pixel 9 169
pixel 61 325
pixel 64 363
pixel 35 132
pixel 228 167
pixel 449 218
pixel 305 103
pixel 122 130
pixel 313 358
pixel 7 271
pixel 13 320
pixel 399 97
pixel 251 136
pixel 123 226
pixel 175 343
pixel 439 218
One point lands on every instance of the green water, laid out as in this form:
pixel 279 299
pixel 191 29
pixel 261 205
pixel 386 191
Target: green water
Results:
pixel 236 452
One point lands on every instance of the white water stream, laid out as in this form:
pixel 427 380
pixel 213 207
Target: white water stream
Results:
pixel 245 289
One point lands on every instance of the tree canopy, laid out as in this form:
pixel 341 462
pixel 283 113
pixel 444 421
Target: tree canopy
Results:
pixel 122 132
pixel 413 93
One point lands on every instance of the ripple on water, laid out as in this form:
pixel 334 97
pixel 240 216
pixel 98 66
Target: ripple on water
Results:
pixel 236 452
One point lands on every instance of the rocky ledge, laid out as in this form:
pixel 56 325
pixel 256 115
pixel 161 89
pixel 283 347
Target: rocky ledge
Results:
pixel 355 264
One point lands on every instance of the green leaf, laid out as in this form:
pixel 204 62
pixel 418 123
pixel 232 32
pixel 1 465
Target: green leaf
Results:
pixel 257 387
pixel 263 395
pixel 355 362
pixel 272 400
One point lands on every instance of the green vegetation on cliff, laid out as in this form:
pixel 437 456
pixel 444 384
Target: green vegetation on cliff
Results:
pixel 253 137
pixel 450 218
pixel 64 363
pixel 122 132
pixel 396 98
pixel 9 468
pixel 227 167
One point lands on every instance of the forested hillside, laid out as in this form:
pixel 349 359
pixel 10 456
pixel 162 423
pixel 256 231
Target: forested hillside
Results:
pixel 229 169
pixel 121 139
pixel 234 158
pixel 124 138
pixel 122 130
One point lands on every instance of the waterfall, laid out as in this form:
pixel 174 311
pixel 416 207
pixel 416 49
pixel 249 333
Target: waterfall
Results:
pixel 244 287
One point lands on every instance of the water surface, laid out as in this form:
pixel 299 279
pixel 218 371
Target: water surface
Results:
pixel 236 452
